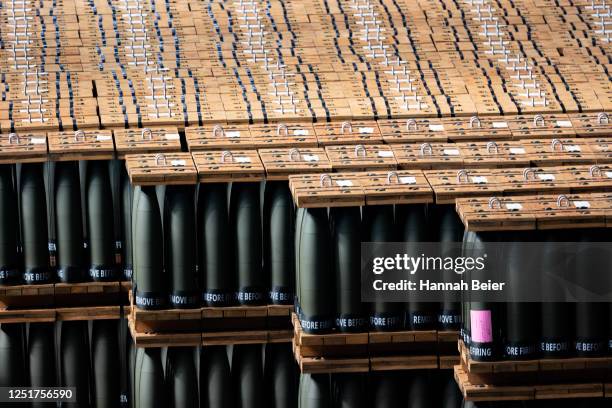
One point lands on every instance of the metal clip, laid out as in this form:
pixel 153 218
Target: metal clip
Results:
pixel 79 136
pixel 392 174
pixel 492 146
pixel 474 119
pixel 293 152
pixel 538 120
pixel 554 143
pixel 602 118
pixel 527 172
pixel 217 129
pixel 226 153
pixel 146 134
pixel 325 177
pixel 493 202
pixel 595 171
pixel 412 122
pixel 346 125
pixel 360 148
pixel 160 159
pixel 426 149
pixel 14 137
pixel 563 201
pixel 282 127
pixel 462 173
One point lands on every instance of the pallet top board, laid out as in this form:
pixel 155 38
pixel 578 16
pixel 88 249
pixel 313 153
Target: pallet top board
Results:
pixel 23 147
pixel 360 188
pixel 348 132
pixel 146 140
pixel 161 168
pixel 281 163
pixel 361 157
pixel 587 210
pixel 449 185
pixel 224 166
pixel 81 145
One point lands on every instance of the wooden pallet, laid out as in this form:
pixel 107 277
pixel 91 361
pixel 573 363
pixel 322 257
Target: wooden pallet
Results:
pixel 281 163
pixel 81 145
pixel 225 166
pixel 497 213
pixel 209 326
pixel 23 147
pixel 531 379
pixel 146 140
pixel 360 188
pixel 372 351
pixel 161 168
pixel 55 314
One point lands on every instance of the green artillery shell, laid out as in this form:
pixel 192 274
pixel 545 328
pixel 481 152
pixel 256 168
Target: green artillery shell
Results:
pixel 417 389
pixel 34 233
pixel 346 247
pixel 12 368
pixel 315 391
pixel 412 228
pixel 74 357
pixel 100 225
pixel 215 246
pixel 215 378
pixel 557 330
pixel 41 356
pixel 317 303
pixel 451 397
pixel 350 391
pixel 388 391
pixel 278 233
pixel 378 226
pixel 521 328
pixel 484 316
pixel 69 223
pixel 247 376
pixel 299 216
pixel 104 350
pixel 148 251
pixel 180 259
pixel 150 389
pixel 591 317
pixel 281 376
pixel 126 218
pixel 9 220
pixel 182 378
pixel 450 232
pixel 245 219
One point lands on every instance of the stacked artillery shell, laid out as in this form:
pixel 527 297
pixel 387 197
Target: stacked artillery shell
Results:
pixel 74 360
pixel 350 390
pixel 412 226
pixel 215 378
pixel 34 233
pixel 9 220
pixel 450 233
pixel 149 386
pixel 482 320
pixel 245 222
pixel 106 365
pixel 521 333
pixel 557 318
pixel 315 391
pixel 215 246
pixel 247 375
pixel 41 357
pixel 378 227
pixel 148 250
pixel 12 368
pixel 281 376
pixel 127 195
pixel 591 317
pixel 314 273
pixel 180 246
pixel 451 397
pixel 278 233
pixel 69 223
pixel 100 221
pixel 417 389
pixel 346 246
pixel 182 378
pixel 387 390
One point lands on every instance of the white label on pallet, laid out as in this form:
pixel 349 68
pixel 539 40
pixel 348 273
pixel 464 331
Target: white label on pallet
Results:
pixel 38 140
pixel 436 128
pixel 514 206
pixel 582 204
pixel 572 148
pixel 172 136
pixel 310 157
pixel 609 174
pixel 344 183
pixel 242 159
pixel 479 180
pixel 517 150
pixel 407 180
pixel 385 153
pixel 232 133
pixel 451 152
pixel 546 177
pixel 103 138
pixel 564 123
pixel 300 132
pixel 178 163
pixel 366 130
pixel 500 125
